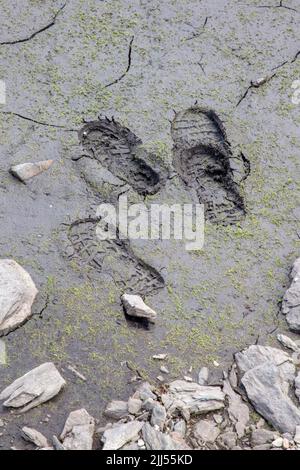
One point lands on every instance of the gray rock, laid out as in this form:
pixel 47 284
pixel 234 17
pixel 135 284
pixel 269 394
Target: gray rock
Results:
pixel 180 427
pixel 116 409
pixel 25 171
pixel 297 435
pixel 158 416
pixel 156 440
pixel 78 431
pixel 262 436
pixel 17 294
pixel 159 357
pixel 265 390
pixel 136 307
pixel 288 342
pixel 192 397
pixel 119 435
pixel 237 410
pixel 145 391
pixel 257 355
pixel 203 376
pixel 291 299
pixel 34 436
pixel 206 431
pixel 2 352
pixel 134 405
pixel 297 386
pixel 164 370
pixel 34 388
pixel 228 439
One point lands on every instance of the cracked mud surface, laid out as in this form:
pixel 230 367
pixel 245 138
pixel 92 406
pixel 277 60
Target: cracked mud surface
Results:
pixel 215 301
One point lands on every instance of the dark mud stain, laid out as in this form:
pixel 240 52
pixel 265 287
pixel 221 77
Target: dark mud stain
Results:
pixel 118 149
pixel 114 258
pixel 203 159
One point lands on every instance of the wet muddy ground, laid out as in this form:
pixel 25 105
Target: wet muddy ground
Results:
pixel 139 61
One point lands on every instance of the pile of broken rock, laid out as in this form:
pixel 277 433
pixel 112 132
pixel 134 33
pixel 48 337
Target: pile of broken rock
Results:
pixel 255 406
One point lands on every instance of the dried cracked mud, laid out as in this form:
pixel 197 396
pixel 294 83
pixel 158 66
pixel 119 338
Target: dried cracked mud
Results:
pixel 147 66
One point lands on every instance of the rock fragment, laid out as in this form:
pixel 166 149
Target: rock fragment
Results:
pixel 116 409
pixel 291 299
pixel 158 416
pixel 203 376
pixel 237 410
pixel 34 436
pixel 288 342
pixel 17 294
pixel 34 388
pixel 266 391
pixel 2 352
pixel 119 435
pixel 25 171
pixel 136 307
pixel 156 440
pixel 206 431
pixel 78 431
pixel 193 398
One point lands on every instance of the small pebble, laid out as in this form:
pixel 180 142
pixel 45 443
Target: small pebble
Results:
pixel 159 357
pixel 278 442
pixel 188 379
pixel 160 378
pixel 164 370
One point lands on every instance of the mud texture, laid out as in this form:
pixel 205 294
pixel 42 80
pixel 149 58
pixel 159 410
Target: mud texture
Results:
pixel 83 62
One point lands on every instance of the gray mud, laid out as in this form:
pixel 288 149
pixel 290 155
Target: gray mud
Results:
pixel 81 63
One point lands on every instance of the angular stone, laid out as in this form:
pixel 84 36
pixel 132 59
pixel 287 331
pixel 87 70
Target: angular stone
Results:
pixel 37 386
pixel 237 410
pixel 78 431
pixel 228 439
pixel 117 436
pixel 297 435
pixel 206 431
pixel 288 342
pixel 256 355
pixel 180 427
pixel 136 307
pixel 145 391
pixel 265 390
pixel 116 409
pixel 2 352
pixel 25 171
pixel 291 299
pixel 262 436
pixel 192 397
pixel 158 416
pixel 297 386
pixel 34 436
pixel 134 405
pixel 156 440
pixel 17 294
pixel 203 376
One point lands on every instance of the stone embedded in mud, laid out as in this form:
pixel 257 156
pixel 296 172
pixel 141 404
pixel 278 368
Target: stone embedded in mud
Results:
pixel 17 294
pixel 117 436
pixel 116 409
pixel 25 171
pixel 203 376
pixel 291 299
pixel 266 390
pixel 34 436
pixel 78 431
pixel 34 388
pixel 136 307
pixel 193 398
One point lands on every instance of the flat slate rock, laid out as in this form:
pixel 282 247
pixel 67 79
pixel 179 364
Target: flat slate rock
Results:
pixel 119 435
pixel 193 397
pixel 266 391
pixel 34 388
pixel 78 431
pixel 17 294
